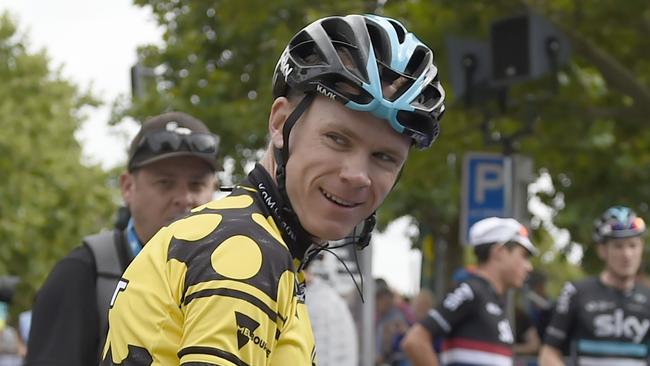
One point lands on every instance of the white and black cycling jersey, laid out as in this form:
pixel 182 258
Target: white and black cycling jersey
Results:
pixel 473 324
pixel 601 325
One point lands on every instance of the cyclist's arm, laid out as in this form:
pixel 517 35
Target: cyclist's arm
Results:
pixel 550 356
pixel 531 342
pixel 65 324
pixel 295 343
pixel 559 329
pixel 418 346
pixel 454 309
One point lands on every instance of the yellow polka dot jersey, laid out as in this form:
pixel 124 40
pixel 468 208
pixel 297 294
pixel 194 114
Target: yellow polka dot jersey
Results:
pixel 217 287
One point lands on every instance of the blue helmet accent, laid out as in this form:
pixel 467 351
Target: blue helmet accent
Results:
pixel 356 59
pixel 618 222
pixel 401 51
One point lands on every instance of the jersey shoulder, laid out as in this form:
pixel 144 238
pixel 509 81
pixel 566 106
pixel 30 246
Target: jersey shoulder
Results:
pixel 239 213
pixel 230 239
pixel 642 288
pixel 588 284
pixel 481 288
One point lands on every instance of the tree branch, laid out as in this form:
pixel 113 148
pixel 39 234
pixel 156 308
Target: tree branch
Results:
pixel 615 74
pixel 615 113
pixel 645 25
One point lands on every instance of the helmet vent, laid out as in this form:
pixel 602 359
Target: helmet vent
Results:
pixel 380 43
pixel 429 97
pixel 307 54
pixel 399 30
pixel 419 61
pixel 343 39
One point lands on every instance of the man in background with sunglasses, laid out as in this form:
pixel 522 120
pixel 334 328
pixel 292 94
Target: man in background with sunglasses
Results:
pixel 605 319
pixel 171 169
pixel 472 319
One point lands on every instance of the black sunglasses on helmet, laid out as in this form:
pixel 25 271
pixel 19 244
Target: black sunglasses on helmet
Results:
pixel 169 141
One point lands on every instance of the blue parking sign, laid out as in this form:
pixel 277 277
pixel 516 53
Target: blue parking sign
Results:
pixel 486 189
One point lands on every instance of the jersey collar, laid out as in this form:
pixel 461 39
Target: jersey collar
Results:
pixel 294 235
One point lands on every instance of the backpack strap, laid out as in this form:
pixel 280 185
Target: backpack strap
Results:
pixel 109 271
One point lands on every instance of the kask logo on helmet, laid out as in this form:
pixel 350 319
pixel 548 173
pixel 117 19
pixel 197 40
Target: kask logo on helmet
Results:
pixel 285 68
pixel 325 92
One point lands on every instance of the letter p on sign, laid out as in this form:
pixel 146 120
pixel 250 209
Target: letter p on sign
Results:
pixel 489 176
pixel 486 189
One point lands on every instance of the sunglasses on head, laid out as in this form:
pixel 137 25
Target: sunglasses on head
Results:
pixel 169 141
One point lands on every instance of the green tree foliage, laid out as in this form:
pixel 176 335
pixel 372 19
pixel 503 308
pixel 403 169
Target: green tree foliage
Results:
pixel 591 132
pixel 217 60
pixel 218 56
pixel 49 200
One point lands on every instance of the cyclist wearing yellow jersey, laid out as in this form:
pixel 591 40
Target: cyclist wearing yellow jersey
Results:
pixel 224 285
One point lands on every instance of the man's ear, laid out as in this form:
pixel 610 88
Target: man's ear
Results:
pixel 280 111
pixel 601 250
pixel 127 185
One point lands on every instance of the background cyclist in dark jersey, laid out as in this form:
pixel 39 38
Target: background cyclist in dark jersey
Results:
pixel 604 320
pixel 472 317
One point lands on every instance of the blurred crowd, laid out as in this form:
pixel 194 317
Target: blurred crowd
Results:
pixel 396 313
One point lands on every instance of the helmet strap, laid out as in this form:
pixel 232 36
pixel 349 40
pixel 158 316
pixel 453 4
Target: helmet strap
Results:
pixel 282 155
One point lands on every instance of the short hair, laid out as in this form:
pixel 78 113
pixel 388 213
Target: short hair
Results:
pixel 382 288
pixel 482 251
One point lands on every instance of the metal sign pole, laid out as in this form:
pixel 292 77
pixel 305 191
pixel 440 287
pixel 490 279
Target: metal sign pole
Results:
pixel 367 331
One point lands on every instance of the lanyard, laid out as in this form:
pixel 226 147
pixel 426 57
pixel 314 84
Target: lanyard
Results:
pixel 132 238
